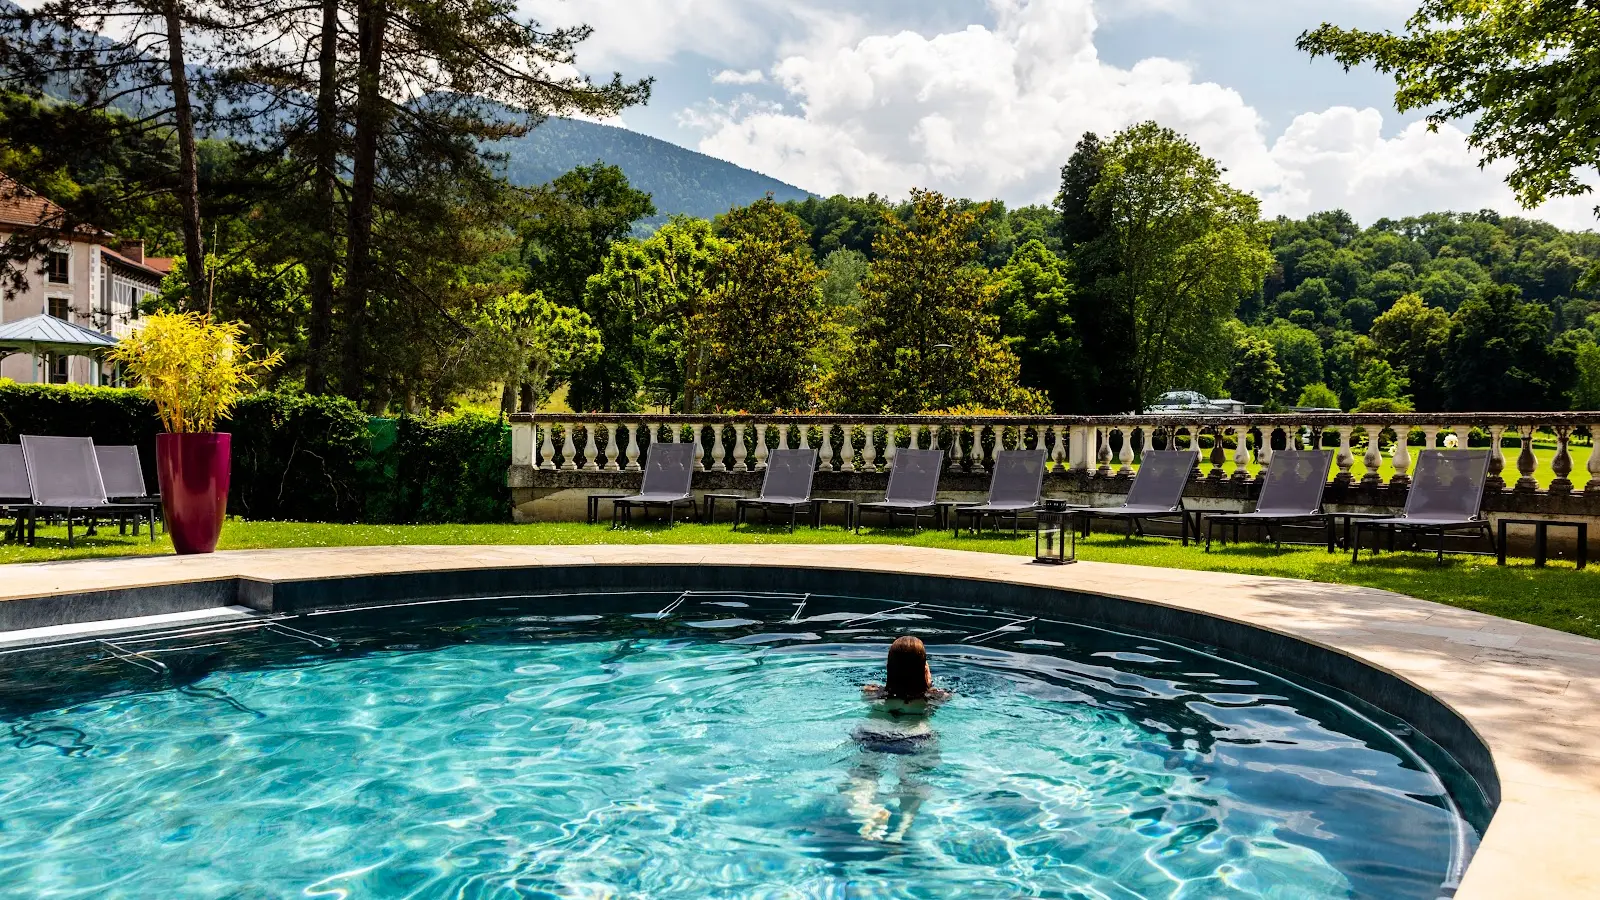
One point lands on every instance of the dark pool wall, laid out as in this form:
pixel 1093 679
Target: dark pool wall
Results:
pixel 1381 689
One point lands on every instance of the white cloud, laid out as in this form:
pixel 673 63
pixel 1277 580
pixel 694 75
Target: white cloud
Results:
pixel 734 76
pixel 993 111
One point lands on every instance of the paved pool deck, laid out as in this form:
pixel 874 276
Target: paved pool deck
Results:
pixel 1532 695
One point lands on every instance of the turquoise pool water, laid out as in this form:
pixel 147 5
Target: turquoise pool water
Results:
pixel 478 751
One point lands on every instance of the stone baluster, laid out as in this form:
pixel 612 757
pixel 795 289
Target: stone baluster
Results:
pixel 1241 453
pixel 1593 484
pixel 702 453
pixel 1125 453
pixel 1527 463
pixel 954 454
pixel 547 450
pixel 614 448
pixel 1373 458
pixel 1430 437
pixel 978 453
pixel 825 457
pixel 1561 464
pixel 591 449
pixel 869 453
pixel 761 446
pixel 739 451
pixel 630 443
pixel 569 452
pixel 1344 458
pixel 891 440
pixel 783 438
pixel 1400 457
pixel 1219 453
pixel 719 450
pixel 847 448
pixel 1058 452
pixel 1497 459
pixel 1264 450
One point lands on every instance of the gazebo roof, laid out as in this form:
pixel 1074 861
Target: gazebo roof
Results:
pixel 48 334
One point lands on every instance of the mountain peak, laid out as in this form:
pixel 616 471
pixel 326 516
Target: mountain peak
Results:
pixel 679 180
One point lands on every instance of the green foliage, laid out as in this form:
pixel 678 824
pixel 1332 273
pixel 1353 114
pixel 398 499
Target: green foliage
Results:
pixel 1187 247
pixel 643 298
pixel 297 457
pixel 1298 353
pixel 300 457
pixel 1380 381
pixel 453 470
pixel 1256 377
pixel 1035 294
pixel 759 329
pixel 842 274
pixel 925 290
pixel 1413 337
pixel 1499 356
pixel 1102 382
pixel 1585 394
pixel 1526 75
pixel 1318 396
pixel 571 224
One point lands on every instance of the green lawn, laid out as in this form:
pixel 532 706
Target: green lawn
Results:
pixel 1558 597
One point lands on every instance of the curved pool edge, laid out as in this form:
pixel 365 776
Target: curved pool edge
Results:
pixel 1527 697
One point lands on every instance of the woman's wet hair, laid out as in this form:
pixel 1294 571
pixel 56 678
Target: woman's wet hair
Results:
pixel 907 677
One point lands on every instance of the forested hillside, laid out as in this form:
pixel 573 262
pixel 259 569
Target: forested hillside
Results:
pixel 678 180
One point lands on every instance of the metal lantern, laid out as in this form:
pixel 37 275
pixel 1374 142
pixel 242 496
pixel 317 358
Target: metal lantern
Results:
pixel 1055 542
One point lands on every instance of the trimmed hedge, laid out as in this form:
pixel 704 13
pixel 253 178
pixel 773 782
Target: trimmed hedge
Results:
pixel 303 458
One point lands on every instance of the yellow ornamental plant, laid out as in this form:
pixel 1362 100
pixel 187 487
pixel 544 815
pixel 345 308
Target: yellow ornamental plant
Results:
pixel 193 368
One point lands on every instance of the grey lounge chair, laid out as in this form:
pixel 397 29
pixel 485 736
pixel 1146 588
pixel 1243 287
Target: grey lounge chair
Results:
pixel 123 476
pixel 64 480
pixel 787 485
pixel 1014 489
pixel 14 490
pixel 1292 495
pixel 913 488
pixel 1446 496
pixel 668 474
pixel 1157 492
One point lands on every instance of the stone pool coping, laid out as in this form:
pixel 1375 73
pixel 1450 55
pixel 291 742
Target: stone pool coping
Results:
pixel 1530 695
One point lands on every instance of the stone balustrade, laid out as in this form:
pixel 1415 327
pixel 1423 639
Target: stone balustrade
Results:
pixel 557 458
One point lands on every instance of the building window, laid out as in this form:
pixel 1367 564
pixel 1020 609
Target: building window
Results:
pixel 59 269
pixel 61 308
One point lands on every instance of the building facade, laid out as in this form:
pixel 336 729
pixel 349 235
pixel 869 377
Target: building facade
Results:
pixel 86 276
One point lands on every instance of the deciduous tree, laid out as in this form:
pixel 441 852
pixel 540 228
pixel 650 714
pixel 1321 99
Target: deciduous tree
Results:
pixel 924 290
pixel 760 326
pixel 1526 75
pixel 1035 294
pixel 1186 247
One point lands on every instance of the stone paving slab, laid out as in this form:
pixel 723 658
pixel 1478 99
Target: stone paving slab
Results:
pixel 1531 694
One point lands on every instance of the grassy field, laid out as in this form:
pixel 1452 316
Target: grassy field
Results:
pixel 1557 597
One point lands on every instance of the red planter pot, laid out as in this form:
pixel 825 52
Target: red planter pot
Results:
pixel 193 471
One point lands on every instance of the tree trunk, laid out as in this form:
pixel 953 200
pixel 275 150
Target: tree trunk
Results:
pixel 372 20
pixel 327 174
pixel 188 165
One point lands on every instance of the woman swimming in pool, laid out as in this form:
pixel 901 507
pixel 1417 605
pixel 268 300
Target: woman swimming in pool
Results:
pixel 897 728
pixel 907 687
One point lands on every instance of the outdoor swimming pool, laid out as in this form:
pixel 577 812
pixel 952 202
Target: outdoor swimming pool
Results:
pixel 693 745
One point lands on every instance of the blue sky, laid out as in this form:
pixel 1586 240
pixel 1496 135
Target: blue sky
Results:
pixel 985 98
